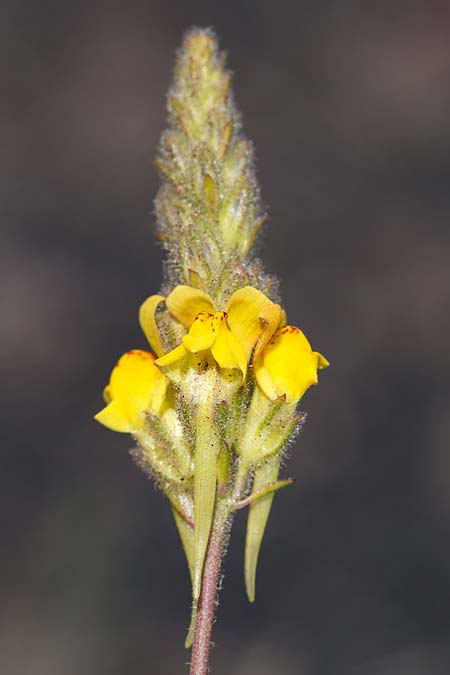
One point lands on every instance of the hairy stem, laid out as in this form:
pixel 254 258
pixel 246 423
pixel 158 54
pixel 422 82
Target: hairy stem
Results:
pixel 208 597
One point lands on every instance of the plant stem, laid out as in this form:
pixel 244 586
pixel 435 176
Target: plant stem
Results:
pixel 208 596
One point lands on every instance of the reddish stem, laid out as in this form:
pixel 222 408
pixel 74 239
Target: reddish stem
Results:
pixel 207 602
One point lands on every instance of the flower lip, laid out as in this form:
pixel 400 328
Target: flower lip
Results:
pixel 233 335
pixel 288 366
pixel 136 385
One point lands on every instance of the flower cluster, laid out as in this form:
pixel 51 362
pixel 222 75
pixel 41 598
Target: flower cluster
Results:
pixel 245 349
pixel 251 331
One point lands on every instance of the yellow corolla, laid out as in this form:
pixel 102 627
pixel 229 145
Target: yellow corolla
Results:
pixel 288 366
pixel 136 386
pixel 247 324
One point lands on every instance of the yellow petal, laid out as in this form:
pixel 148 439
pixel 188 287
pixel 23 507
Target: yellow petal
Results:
pixel 244 310
pixel 201 334
pixel 265 380
pixel 227 350
pixel 159 393
pixel 288 366
pixel 322 362
pixel 136 385
pixel 173 356
pixel 114 417
pixel 184 303
pixel 270 319
pixel 148 323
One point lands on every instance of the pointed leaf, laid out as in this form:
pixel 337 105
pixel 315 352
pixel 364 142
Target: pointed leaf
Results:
pixel 191 630
pixel 266 490
pixel 187 539
pixel 179 113
pixel 196 280
pixel 252 234
pixel 257 520
pixel 205 479
pixel 226 138
pixel 210 190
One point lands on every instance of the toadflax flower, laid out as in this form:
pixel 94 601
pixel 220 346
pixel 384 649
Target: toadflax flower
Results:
pixel 250 319
pixel 288 366
pixel 135 387
pixel 213 406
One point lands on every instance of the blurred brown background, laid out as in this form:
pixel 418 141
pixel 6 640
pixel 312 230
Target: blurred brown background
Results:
pixel 349 108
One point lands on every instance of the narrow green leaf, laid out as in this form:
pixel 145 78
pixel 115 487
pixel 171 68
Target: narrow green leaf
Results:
pixel 205 479
pixel 266 490
pixel 180 113
pixel 191 630
pixel 257 519
pixel 210 193
pixel 187 539
pixel 196 281
pixel 226 138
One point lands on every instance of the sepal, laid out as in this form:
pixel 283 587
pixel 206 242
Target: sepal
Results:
pixel 169 435
pixel 267 429
pixel 149 457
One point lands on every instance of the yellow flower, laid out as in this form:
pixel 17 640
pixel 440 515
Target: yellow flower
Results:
pixel 136 386
pixel 247 324
pixel 288 366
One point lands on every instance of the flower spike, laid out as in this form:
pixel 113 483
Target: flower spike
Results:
pixel 213 406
